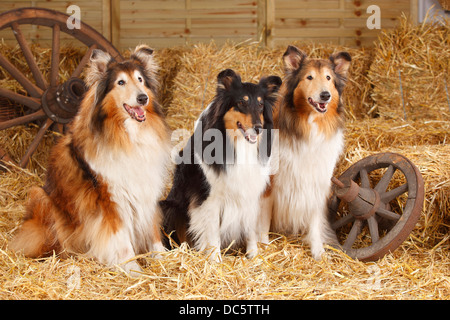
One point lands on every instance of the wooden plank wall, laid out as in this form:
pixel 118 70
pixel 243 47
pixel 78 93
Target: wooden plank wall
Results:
pixel 336 21
pixel 93 12
pixel 167 23
pixel 177 22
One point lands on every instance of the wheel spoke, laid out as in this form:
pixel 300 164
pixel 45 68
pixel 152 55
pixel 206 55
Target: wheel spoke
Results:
pixel 77 72
pixel 365 182
pixel 352 234
pixel 22 120
pixel 394 193
pixel 388 214
pixel 33 146
pixel 30 87
pixel 30 102
pixel 37 74
pixel 385 179
pixel 54 71
pixel 60 128
pixel 373 229
pixel 343 221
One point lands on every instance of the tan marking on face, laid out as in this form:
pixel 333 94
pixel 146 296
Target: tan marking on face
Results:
pixel 322 80
pixel 133 86
pixel 232 117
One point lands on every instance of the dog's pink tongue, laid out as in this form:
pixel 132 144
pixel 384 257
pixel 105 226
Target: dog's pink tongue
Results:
pixel 139 112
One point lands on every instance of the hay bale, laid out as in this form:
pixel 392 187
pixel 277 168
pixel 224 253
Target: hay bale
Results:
pixel 421 53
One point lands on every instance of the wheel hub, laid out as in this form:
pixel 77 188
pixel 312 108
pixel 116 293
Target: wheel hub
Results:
pixel 363 202
pixel 61 103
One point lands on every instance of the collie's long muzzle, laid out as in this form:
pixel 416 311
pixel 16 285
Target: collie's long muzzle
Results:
pixel 321 105
pixel 137 112
pixel 250 134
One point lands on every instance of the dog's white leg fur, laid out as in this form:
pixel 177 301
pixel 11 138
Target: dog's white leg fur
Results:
pixel 157 247
pixel 265 218
pixel 252 244
pixel 112 249
pixel 205 228
pixel 315 235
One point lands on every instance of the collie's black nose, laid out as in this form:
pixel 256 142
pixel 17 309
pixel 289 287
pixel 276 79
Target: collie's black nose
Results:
pixel 325 95
pixel 142 99
pixel 258 128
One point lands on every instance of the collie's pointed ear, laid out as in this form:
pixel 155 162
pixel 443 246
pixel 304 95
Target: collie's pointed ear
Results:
pixel 341 62
pixel 272 85
pixel 98 66
pixel 293 58
pixel 143 55
pixel 228 79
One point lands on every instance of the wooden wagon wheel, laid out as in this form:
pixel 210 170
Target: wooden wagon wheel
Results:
pixel 47 101
pixel 375 205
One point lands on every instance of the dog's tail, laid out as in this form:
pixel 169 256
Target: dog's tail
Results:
pixel 35 237
pixel 175 224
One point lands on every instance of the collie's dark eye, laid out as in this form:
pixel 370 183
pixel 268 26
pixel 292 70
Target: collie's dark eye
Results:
pixel 328 78
pixel 309 77
pixel 140 79
pixel 121 82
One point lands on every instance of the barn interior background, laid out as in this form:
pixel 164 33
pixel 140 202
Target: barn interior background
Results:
pixel 164 23
pixel 396 99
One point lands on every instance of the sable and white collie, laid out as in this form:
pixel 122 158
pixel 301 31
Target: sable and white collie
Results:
pixel 105 177
pixel 224 168
pixel 309 116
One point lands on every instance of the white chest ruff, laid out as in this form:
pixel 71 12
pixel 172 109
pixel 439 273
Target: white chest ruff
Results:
pixel 135 182
pixel 302 183
pixel 234 195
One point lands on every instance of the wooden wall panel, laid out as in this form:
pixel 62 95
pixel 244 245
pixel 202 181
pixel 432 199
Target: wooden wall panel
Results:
pixel 92 12
pixel 167 23
pixel 341 21
pixel 181 22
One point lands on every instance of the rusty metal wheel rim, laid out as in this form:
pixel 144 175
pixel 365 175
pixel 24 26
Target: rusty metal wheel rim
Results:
pixel 42 96
pixel 405 221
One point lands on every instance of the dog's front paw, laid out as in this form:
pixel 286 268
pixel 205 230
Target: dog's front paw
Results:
pixel 252 250
pixel 317 252
pixel 215 256
pixel 132 268
pixel 158 249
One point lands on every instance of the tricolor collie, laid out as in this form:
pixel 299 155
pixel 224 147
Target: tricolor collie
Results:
pixel 309 116
pixel 224 168
pixel 105 177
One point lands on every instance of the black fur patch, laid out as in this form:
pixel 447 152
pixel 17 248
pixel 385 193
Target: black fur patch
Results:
pixel 88 174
